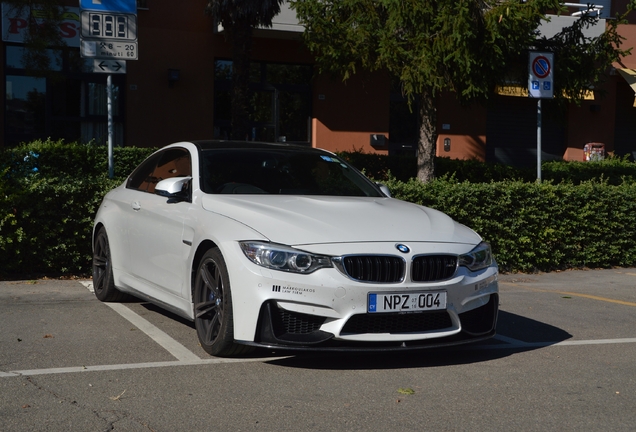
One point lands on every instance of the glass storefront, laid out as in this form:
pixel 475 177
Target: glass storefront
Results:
pixel 66 101
pixel 280 101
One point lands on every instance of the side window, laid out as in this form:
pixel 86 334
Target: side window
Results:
pixel 139 178
pixel 170 163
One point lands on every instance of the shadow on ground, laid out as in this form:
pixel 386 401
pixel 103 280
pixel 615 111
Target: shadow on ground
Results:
pixel 509 325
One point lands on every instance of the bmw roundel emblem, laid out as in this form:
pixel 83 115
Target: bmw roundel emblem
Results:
pixel 402 248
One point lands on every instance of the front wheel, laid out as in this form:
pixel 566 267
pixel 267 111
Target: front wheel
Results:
pixel 213 316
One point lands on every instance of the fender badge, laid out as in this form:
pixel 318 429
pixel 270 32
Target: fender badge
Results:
pixel 402 248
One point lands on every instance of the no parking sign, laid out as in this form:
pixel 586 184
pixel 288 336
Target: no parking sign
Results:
pixel 540 81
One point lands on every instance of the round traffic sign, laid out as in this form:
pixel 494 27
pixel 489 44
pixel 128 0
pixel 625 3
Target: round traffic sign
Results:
pixel 541 67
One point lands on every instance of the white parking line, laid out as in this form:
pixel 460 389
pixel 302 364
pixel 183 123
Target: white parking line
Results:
pixel 169 344
pixel 515 343
pixel 186 357
pixel 180 352
pixel 509 343
pixel 125 366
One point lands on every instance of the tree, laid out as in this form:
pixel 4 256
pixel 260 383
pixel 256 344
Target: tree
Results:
pixel 238 18
pixel 465 46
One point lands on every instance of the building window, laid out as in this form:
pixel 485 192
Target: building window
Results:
pixel 25 107
pixel 67 101
pixel 280 101
pixel 142 4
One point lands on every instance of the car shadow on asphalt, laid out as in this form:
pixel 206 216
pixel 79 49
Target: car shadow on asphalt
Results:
pixel 517 334
pixel 158 310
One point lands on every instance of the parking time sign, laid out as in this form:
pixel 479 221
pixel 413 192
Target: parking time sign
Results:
pixel 121 6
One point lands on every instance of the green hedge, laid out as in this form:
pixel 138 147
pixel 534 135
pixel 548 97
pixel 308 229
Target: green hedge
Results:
pixel 585 217
pixel 46 225
pixel 614 170
pixel 539 226
pixel 60 159
pixel 49 194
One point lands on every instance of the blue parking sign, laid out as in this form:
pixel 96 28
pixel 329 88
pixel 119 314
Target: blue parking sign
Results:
pixel 121 6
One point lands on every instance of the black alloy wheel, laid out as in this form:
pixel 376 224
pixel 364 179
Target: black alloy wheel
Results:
pixel 213 307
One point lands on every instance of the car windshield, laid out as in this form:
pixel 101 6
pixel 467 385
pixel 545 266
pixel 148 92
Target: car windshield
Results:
pixel 280 171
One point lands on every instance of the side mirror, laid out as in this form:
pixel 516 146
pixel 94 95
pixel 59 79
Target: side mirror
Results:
pixel 175 188
pixel 385 190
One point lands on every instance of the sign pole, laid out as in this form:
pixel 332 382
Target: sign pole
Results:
pixel 539 140
pixel 109 37
pixel 540 86
pixel 111 128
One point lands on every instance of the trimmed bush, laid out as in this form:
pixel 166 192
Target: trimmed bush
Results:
pixel 539 226
pixel 61 159
pixel 614 170
pixel 50 225
pixel 584 217
pixel 49 194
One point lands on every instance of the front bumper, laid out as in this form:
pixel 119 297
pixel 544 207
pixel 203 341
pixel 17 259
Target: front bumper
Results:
pixel 327 310
pixel 278 328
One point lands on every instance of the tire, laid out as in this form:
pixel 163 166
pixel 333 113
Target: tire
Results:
pixel 213 317
pixel 103 280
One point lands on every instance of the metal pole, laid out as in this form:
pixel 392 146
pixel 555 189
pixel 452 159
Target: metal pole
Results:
pixel 111 132
pixel 539 139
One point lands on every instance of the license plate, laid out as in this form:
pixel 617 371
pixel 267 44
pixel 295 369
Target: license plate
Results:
pixel 406 302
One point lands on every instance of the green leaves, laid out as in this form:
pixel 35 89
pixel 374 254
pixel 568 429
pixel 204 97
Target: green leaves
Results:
pixel 49 193
pixel 464 46
pixel 539 226
pixel 582 215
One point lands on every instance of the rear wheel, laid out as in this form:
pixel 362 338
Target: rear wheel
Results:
pixel 213 316
pixel 103 280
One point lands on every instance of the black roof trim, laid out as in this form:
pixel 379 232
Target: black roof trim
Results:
pixel 221 144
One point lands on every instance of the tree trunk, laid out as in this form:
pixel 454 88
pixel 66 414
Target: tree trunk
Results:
pixel 427 136
pixel 241 38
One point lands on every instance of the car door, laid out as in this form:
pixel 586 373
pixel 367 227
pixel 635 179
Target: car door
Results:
pixel 157 252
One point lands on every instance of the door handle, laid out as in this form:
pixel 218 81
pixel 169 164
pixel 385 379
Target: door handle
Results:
pixel 136 206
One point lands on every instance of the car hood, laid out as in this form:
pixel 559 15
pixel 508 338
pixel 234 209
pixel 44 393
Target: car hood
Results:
pixel 303 220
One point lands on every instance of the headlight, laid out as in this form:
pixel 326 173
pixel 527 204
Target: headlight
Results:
pixel 284 258
pixel 478 258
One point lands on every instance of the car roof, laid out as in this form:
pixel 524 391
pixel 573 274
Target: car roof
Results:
pixel 250 145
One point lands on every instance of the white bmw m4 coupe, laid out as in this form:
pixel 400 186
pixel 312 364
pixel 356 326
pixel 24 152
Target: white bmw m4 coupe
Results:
pixel 290 247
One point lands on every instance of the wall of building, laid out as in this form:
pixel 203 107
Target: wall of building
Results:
pixel 592 121
pixel 160 112
pixel 345 114
pixel 465 126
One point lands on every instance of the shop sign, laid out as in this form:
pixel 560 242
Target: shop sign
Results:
pixel 15 24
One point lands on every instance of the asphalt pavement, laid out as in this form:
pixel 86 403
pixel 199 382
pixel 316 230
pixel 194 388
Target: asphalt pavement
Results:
pixel 563 359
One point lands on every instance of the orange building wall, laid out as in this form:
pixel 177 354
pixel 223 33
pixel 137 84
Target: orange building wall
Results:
pixel 587 124
pixel 628 31
pixel 156 113
pixel 346 114
pixel 464 125
pixel 592 122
